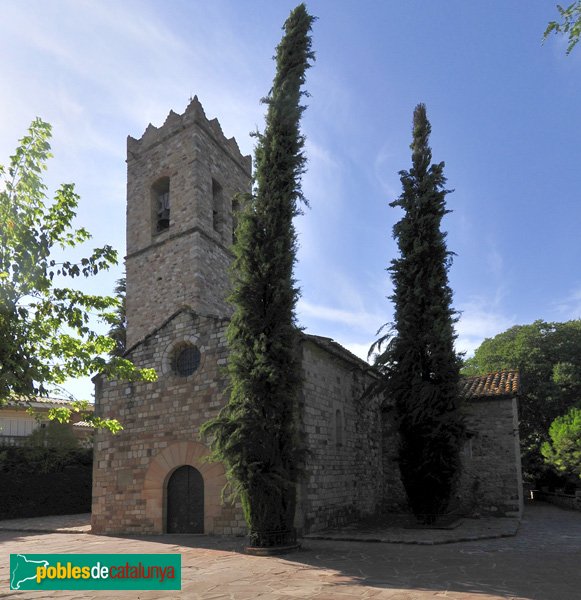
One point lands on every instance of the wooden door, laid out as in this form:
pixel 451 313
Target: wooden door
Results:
pixel 185 501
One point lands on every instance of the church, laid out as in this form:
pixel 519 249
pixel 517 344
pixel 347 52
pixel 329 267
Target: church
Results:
pixel 154 476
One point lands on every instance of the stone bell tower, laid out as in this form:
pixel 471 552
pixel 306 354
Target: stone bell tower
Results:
pixel 181 182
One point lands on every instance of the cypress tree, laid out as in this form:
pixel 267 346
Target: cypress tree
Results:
pixel 255 435
pixel 419 363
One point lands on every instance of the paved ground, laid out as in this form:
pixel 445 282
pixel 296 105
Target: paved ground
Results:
pixel 461 531
pixel 396 532
pixel 57 524
pixel 543 562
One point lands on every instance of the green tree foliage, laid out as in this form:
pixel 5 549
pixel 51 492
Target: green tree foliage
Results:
pixel 417 357
pixel 42 454
pixel 45 335
pixel 548 356
pixel 53 435
pixel 118 319
pixel 570 24
pixel 563 451
pixel 255 435
pixel 51 477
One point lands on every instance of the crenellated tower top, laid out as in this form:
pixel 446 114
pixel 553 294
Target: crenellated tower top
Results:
pixel 193 115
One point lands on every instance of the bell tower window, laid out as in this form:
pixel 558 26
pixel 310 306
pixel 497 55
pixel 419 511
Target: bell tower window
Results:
pixel 161 204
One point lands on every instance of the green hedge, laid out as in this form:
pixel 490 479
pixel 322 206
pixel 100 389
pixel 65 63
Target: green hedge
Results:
pixel 38 481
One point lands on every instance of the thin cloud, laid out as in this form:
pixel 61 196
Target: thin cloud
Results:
pixel 322 183
pixel 479 320
pixel 386 172
pixel 324 189
pixel 131 66
pixel 360 319
pixel 570 307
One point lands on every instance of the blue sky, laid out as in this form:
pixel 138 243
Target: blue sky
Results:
pixel 505 114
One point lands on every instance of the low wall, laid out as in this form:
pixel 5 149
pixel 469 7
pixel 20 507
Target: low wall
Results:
pixel 569 501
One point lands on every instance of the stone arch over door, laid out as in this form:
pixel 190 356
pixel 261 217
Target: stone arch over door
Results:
pixel 162 467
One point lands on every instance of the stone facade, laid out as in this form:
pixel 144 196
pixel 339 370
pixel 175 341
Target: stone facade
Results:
pixel 181 205
pixel 161 432
pixel 342 433
pixel 177 281
pixel 491 480
pixel 161 423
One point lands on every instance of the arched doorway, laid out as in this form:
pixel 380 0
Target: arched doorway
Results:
pixel 185 501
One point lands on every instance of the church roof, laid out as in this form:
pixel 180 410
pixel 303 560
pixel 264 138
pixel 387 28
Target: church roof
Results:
pixel 335 348
pixel 500 384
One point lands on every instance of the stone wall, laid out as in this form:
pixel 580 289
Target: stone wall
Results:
pixel 350 469
pixel 161 423
pixel 343 472
pixel 187 263
pixel 491 479
pixel 491 482
pixel 569 501
pixel 342 432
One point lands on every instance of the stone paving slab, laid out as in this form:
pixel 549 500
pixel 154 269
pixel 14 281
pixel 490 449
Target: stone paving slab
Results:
pixel 80 523
pixel 467 530
pixel 542 562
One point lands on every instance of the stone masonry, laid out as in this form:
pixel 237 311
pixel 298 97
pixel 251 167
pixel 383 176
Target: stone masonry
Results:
pixel 185 181
pixel 187 263
pixel 491 479
pixel 177 282
pixel 161 423
pixel 491 482
pixel 342 433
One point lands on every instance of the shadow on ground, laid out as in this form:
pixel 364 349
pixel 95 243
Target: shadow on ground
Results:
pixel 540 563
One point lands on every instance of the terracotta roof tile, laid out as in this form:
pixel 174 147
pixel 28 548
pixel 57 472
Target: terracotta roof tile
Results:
pixel 501 384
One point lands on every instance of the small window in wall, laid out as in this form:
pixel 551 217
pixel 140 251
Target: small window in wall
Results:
pixel 217 206
pixel 161 204
pixel 338 428
pixel 186 360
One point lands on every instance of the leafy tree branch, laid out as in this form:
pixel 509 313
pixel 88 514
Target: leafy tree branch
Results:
pixel 45 332
pixel 570 24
